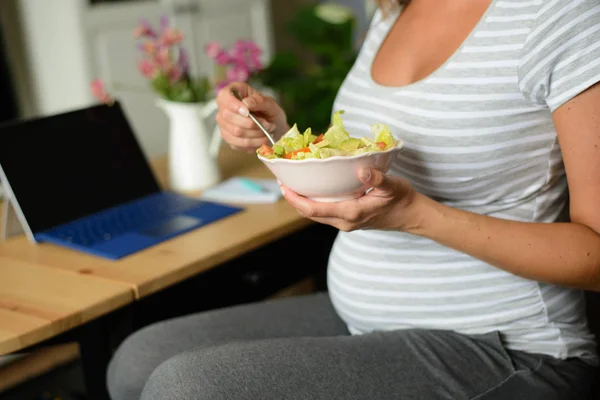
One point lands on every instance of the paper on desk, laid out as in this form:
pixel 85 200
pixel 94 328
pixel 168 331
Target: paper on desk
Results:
pixel 234 190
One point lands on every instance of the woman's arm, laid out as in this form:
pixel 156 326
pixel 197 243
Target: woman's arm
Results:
pixel 561 253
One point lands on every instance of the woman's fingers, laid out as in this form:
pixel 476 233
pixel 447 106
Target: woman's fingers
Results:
pixel 257 102
pixel 251 139
pixel 242 127
pixel 245 122
pixel 227 101
pixel 253 100
pixel 236 127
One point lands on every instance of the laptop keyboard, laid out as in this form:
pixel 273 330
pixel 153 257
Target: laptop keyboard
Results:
pixel 124 219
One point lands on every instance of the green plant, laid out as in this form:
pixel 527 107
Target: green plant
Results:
pixel 307 87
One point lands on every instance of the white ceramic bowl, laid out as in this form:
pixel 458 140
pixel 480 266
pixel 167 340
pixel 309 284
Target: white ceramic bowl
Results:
pixel 331 179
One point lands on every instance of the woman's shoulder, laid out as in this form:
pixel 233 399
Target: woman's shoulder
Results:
pixel 557 10
pixel 561 52
pixel 521 11
pixel 376 18
pixel 575 3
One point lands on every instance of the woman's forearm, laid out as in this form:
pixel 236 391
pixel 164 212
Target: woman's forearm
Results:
pixel 561 253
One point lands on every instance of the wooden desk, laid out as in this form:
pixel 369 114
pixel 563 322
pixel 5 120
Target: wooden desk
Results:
pixel 46 290
pixel 37 303
pixel 170 262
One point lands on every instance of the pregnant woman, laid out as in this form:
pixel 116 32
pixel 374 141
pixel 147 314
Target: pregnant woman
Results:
pixel 459 276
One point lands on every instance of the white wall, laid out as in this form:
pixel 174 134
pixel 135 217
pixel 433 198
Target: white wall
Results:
pixel 18 65
pixel 55 51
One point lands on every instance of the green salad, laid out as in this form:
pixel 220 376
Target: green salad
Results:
pixel 295 145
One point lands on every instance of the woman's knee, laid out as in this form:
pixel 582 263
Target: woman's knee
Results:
pixel 215 373
pixel 178 378
pixel 134 361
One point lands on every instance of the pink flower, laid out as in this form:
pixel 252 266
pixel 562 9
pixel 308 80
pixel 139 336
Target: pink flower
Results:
pixel 236 57
pixel 183 62
pixel 164 23
pixel 238 73
pixel 223 58
pixel 144 29
pixel 247 46
pixel 149 47
pixel 163 57
pixel 170 37
pixel 256 63
pixel 238 63
pixel 217 53
pixel 100 93
pixel 212 49
pixel 147 68
pixel 175 73
pixel 157 51
pixel 246 52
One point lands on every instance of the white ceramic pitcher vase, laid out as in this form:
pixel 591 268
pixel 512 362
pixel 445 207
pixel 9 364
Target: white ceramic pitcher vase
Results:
pixel 193 150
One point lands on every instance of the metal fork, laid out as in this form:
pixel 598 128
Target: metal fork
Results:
pixel 238 96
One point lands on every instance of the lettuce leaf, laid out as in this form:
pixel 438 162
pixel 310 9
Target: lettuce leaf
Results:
pixel 336 141
pixel 381 133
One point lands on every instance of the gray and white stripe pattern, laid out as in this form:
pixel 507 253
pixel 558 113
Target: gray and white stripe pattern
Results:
pixel 479 136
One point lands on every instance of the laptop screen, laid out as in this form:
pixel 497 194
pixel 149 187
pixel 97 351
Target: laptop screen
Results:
pixel 70 165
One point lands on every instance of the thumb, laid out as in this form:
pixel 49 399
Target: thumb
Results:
pixel 376 179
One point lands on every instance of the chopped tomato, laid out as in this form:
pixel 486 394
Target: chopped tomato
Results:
pixel 302 150
pixel 318 139
pixel 381 145
pixel 265 150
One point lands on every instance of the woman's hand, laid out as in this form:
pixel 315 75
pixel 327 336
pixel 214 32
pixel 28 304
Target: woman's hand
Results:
pixel 237 129
pixel 392 204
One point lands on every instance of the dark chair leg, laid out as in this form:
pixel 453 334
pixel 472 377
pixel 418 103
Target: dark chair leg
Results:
pixel 97 341
pixel 95 350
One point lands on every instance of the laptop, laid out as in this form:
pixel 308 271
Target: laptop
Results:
pixel 80 180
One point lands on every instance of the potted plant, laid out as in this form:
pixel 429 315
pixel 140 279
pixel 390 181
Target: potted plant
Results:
pixel 188 100
pixel 307 85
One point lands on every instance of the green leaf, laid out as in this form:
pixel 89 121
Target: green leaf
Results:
pixel 160 84
pixel 283 67
pixel 182 92
pixel 202 89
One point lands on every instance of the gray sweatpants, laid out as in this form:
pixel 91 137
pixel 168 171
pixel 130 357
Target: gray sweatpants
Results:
pixel 298 348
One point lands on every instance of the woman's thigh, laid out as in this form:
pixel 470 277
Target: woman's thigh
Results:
pixel 407 365
pixel 142 352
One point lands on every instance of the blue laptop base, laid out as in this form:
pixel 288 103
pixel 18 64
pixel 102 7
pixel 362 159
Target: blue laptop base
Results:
pixel 126 229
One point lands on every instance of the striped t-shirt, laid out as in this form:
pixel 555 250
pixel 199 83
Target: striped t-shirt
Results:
pixel 478 136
